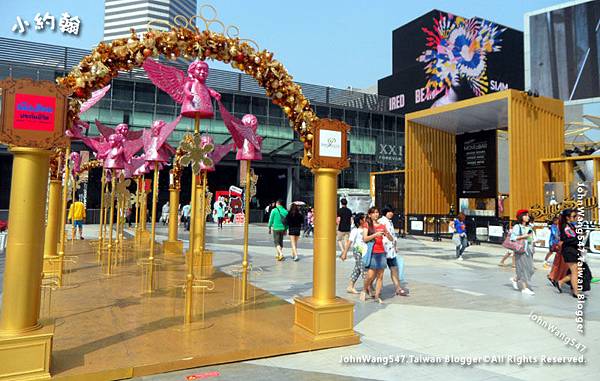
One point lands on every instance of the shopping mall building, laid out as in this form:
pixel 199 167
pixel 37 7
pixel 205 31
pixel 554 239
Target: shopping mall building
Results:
pixel 133 99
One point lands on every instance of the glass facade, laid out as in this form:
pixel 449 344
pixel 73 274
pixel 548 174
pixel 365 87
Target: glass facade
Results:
pixel 133 99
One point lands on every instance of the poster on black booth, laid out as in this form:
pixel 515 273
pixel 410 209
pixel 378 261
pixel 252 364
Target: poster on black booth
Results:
pixel 476 165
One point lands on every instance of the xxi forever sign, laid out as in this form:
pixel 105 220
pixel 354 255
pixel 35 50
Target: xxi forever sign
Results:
pixel 388 152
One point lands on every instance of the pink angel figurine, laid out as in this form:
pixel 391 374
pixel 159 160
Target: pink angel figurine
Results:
pixel 156 148
pixel 76 130
pixel 132 168
pixel 190 91
pixel 243 133
pixel 76 160
pixel 121 128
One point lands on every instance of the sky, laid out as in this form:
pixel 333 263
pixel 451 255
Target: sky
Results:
pixel 328 42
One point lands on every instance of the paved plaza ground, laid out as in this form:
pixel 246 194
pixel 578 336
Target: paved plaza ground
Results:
pixel 464 309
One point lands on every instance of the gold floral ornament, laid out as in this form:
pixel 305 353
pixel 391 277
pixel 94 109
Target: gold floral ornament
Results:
pixel 197 153
pixel 186 40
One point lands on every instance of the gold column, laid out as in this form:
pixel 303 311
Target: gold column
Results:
pixel 325 234
pixel 150 285
pixel 189 277
pixel 53 221
pixel 197 215
pixel 325 316
pixel 25 345
pixel 246 227
pixel 173 245
pixel 111 221
pixel 73 186
pixel 101 230
pixel 25 249
pixel 63 217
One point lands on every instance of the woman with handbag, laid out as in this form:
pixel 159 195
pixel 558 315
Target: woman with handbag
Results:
pixel 523 238
pixel 460 236
pixel 359 247
pixel 569 250
pixel 374 258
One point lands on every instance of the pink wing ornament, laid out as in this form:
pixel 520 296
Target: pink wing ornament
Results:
pixel 76 160
pixel 76 130
pixel 156 148
pixel 190 91
pixel 95 98
pixel 241 130
pixel 121 128
pixel 220 151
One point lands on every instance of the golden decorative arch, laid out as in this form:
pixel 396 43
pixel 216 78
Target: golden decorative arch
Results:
pixel 186 40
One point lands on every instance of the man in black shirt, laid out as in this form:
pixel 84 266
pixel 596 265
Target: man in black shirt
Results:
pixel 344 222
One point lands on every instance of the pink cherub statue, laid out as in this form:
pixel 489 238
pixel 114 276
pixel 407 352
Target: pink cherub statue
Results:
pixel 156 148
pixel 76 130
pixel 244 135
pixel 121 128
pixel 190 91
pixel 76 159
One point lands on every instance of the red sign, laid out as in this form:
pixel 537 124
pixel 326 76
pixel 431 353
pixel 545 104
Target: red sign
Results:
pixel 202 376
pixel 34 112
pixel 148 185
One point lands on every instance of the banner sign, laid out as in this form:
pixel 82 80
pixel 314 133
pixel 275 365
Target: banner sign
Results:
pixel 388 152
pixel 476 165
pixel 34 112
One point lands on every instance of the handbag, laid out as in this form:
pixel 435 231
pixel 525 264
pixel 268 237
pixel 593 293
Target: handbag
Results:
pixel 366 258
pixel 456 239
pixel 517 246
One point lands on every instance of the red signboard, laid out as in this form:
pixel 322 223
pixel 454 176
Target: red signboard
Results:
pixel 34 112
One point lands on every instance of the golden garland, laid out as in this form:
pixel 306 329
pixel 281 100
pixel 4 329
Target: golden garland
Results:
pixel 176 170
pixel 56 163
pixel 106 60
pixel 89 165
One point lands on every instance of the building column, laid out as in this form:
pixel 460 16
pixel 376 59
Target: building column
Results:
pixel 22 337
pixel 323 315
pixel 289 189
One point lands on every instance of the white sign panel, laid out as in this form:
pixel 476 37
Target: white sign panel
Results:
pixel 416 225
pixel 330 143
pixel 495 231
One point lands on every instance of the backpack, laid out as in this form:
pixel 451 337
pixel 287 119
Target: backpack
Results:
pixel 282 217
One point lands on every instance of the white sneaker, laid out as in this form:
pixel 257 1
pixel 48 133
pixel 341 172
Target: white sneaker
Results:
pixel 527 291
pixel 514 284
pixel 460 258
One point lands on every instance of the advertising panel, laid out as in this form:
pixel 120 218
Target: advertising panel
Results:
pixel 476 165
pixel 441 58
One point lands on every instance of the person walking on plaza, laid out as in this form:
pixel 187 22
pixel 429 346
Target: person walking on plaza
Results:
pixel 375 232
pixel 165 213
pixel 553 241
pixel 460 236
pixel 570 251
pixel 295 219
pixel 77 216
pixel 344 223
pixel 220 214
pixel 277 227
pixel 185 216
pixel 359 247
pixel 310 222
pixel 523 231
pixel 390 249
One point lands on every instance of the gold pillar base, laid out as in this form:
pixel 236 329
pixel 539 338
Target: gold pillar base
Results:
pixel 143 238
pixel 51 267
pixel 26 356
pixel 206 259
pixel 173 247
pixel 325 321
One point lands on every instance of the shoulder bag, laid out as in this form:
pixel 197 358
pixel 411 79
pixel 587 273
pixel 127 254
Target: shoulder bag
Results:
pixel 366 258
pixel 517 246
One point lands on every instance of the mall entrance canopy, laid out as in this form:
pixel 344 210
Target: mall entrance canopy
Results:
pixel 534 128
